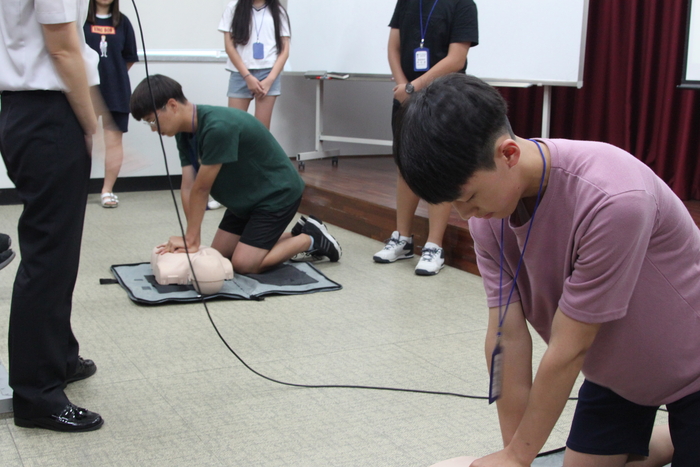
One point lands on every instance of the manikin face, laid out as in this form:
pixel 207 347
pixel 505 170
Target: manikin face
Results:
pixel 491 193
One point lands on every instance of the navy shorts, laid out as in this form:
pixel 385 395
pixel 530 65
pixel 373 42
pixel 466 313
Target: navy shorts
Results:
pixel 121 121
pixel 262 229
pixel 607 424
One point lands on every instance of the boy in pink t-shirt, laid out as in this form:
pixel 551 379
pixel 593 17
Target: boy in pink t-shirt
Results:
pixel 589 246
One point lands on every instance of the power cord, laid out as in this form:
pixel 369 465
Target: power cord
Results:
pixel 218 333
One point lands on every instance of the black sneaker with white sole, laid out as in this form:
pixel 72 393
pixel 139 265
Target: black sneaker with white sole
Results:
pixel 324 243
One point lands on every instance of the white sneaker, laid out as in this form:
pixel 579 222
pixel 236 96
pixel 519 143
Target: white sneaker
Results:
pixel 306 257
pixel 431 260
pixel 213 204
pixel 395 249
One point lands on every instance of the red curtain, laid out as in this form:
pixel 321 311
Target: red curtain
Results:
pixel 633 65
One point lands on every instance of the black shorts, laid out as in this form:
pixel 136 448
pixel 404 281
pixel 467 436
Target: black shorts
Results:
pixel 607 424
pixel 262 229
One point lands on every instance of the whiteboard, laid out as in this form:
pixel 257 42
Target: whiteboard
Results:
pixel 537 41
pixel 177 24
pixel 691 73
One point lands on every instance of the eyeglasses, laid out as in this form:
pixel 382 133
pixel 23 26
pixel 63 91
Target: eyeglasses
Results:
pixel 152 123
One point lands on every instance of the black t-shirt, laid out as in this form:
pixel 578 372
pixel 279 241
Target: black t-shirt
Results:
pixel 451 21
pixel 116 47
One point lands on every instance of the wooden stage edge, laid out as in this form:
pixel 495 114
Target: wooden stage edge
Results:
pixel 357 195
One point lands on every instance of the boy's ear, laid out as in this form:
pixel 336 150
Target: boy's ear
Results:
pixel 172 104
pixel 510 151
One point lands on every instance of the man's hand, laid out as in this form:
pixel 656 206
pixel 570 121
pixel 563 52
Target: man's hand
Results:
pixel 498 459
pixel 177 245
pixel 400 92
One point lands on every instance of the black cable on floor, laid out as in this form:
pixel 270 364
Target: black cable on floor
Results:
pixel 182 230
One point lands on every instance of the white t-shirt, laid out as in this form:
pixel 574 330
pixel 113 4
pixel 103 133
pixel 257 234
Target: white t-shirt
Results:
pixel 261 21
pixel 24 60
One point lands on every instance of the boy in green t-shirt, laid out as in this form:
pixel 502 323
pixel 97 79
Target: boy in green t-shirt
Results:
pixel 230 154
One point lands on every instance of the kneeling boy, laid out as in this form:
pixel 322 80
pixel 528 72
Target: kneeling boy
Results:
pixel 584 242
pixel 230 154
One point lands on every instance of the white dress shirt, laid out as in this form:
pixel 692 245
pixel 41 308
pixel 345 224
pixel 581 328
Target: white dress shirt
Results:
pixel 25 63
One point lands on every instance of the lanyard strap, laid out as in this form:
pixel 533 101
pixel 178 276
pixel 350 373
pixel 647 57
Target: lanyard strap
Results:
pixel 424 30
pixel 258 29
pixel 503 312
pixel 193 142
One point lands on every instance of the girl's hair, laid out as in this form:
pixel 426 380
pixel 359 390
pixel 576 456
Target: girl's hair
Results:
pixel 241 22
pixel 114 9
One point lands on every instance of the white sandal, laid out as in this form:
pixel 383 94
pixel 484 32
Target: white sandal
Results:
pixel 109 200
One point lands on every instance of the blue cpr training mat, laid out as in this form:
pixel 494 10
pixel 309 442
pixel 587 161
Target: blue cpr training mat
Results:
pixel 287 279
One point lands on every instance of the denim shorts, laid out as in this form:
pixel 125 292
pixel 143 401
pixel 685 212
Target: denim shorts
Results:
pixel 238 89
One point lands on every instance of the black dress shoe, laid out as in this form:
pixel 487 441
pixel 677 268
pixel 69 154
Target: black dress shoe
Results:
pixel 6 257
pixel 71 419
pixel 85 369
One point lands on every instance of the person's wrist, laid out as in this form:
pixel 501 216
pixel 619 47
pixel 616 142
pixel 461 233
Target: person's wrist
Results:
pixel 520 452
pixel 246 76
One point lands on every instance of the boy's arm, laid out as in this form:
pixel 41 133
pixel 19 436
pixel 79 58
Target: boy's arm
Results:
pixel 560 365
pixel 394 54
pixel 454 61
pixel 517 366
pixel 188 176
pixel 199 195
pixel 194 203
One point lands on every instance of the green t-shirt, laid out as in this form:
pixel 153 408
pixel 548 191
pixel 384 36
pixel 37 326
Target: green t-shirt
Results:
pixel 255 172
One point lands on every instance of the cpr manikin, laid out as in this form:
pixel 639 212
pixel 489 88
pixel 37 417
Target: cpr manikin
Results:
pixel 210 268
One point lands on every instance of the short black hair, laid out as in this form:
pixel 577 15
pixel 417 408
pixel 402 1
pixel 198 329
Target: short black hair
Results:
pixel 446 132
pixel 164 89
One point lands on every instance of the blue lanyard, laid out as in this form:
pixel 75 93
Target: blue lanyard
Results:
pixel 424 30
pixel 258 29
pixel 502 313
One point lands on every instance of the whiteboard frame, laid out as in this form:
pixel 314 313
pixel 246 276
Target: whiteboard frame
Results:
pixel 685 82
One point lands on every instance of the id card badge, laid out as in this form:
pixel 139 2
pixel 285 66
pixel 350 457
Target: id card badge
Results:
pixel 421 59
pixel 496 377
pixel 258 50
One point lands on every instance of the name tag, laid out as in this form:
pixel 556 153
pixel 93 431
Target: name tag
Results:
pixel 496 377
pixel 258 50
pixel 421 59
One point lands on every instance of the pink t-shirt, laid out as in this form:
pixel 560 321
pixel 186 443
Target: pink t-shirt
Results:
pixel 611 244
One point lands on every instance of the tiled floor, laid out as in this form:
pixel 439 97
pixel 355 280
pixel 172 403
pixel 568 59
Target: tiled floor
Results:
pixel 173 395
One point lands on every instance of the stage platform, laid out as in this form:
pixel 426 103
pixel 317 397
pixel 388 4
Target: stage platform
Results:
pixel 359 194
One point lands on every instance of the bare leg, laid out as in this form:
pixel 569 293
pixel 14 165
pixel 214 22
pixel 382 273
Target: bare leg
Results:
pixel 438 215
pixel 263 109
pixel 114 155
pixel 406 204
pixel 578 459
pixel 248 259
pixel 239 103
pixel 225 242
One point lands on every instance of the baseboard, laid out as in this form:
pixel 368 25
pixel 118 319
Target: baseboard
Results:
pixel 123 185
